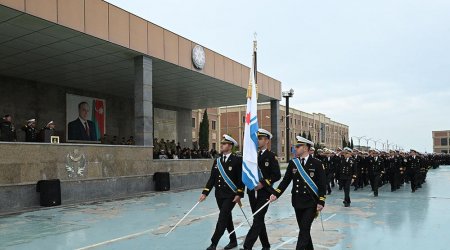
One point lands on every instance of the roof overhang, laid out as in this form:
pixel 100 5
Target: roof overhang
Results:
pixel 41 50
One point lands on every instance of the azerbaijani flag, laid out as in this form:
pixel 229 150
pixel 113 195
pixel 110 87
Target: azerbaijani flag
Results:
pixel 98 117
pixel 250 171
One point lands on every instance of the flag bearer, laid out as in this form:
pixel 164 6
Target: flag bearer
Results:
pixel 308 190
pixel 270 171
pixel 226 177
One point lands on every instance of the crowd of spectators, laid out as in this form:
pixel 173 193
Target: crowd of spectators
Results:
pixel 166 149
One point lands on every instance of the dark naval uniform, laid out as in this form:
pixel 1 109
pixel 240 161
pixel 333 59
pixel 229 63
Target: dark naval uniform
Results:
pixel 328 163
pixel 347 174
pixel 225 195
pixel 7 131
pixel 270 170
pixel 394 172
pixel 31 134
pixel 412 170
pixel 304 200
pixel 376 170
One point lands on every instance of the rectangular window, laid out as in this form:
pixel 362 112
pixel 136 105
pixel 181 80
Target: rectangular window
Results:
pixel 444 141
pixel 282 149
pixel 243 119
pixel 214 145
pixel 193 122
pixel 213 125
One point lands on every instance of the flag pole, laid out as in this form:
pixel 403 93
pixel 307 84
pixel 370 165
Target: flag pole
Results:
pixel 255 67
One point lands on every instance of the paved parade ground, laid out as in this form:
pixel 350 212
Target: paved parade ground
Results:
pixel 399 220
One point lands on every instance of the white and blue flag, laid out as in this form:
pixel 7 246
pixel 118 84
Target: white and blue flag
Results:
pixel 250 170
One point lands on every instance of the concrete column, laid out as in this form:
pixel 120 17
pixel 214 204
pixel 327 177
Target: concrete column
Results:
pixel 184 127
pixel 275 126
pixel 143 101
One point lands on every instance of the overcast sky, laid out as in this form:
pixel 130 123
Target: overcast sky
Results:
pixel 382 67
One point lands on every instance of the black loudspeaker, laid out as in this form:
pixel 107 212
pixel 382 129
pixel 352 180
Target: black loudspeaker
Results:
pixel 162 181
pixel 50 192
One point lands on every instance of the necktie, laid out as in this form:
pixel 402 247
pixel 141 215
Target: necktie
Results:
pixel 303 161
pixel 224 158
pixel 86 128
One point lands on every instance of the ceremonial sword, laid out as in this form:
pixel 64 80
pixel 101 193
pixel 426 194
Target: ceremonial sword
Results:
pixel 173 228
pixel 240 206
pixel 242 223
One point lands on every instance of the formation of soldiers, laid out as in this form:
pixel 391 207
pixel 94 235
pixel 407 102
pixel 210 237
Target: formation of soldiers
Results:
pixel 313 174
pixel 377 168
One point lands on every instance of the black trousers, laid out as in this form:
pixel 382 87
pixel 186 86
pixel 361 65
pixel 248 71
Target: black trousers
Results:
pixel 305 218
pixel 346 184
pixel 258 228
pixel 412 176
pixel 375 183
pixel 330 181
pixel 225 221
pixel 394 180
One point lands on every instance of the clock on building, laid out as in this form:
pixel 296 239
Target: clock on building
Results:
pixel 198 57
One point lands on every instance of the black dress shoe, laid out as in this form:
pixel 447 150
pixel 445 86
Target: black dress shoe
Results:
pixel 211 247
pixel 347 204
pixel 231 245
pixel 265 248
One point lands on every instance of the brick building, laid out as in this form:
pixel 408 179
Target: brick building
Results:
pixel 441 141
pixel 230 120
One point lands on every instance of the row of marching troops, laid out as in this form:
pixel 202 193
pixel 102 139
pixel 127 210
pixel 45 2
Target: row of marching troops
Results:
pixel 356 168
pixel 312 176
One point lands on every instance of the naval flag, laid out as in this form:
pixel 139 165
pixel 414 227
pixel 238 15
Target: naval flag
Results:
pixel 250 170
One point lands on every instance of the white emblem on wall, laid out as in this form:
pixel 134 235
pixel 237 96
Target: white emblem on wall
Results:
pixel 75 164
pixel 198 57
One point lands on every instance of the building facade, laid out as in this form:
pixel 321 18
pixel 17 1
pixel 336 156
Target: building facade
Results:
pixel 231 120
pixel 441 141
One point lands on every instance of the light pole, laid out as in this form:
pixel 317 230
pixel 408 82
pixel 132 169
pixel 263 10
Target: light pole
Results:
pixel 367 142
pixel 375 141
pixel 359 140
pixel 287 95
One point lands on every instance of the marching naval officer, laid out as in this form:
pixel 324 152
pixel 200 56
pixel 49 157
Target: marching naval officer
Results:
pixel 347 174
pixel 226 177
pixel 308 190
pixel 376 170
pixel 270 171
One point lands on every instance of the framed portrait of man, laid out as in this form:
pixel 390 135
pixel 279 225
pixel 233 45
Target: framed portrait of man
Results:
pixel 85 118
pixel 54 139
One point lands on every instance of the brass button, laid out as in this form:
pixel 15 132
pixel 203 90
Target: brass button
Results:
pixel 297 185
pixel 296 191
